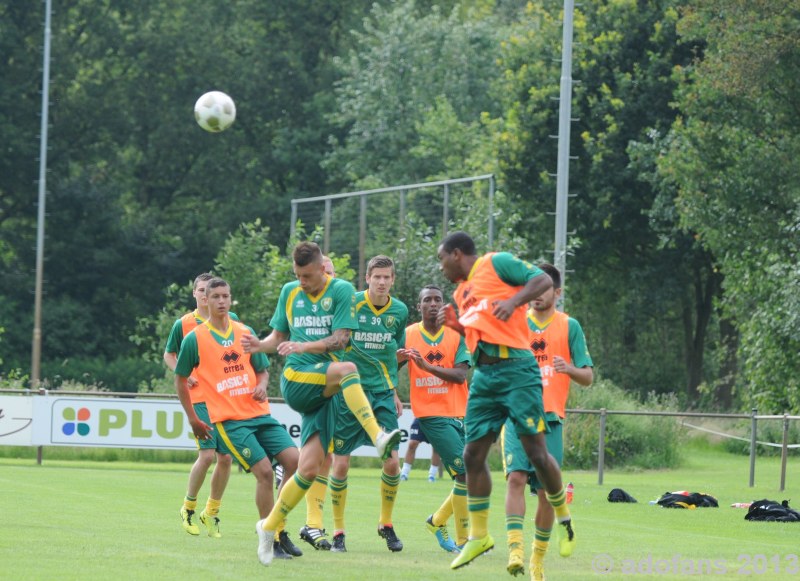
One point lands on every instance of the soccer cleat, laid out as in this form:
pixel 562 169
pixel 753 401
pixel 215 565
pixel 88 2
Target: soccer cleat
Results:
pixel 441 534
pixel 212 525
pixel 566 538
pixel 338 544
pixel 279 552
pixel 431 479
pixel 317 538
pixel 516 558
pixel 472 550
pixel 386 441
pixel 537 572
pixel 403 477
pixel 186 520
pixel 288 546
pixel 394 544
pixel 266 544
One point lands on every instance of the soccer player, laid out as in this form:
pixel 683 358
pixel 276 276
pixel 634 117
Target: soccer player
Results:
pixel 234 385
pixel 492 294
pixel 437 371
pixel 311 326
pixel 559 345
pixel 207 449
pixel 381 331
pixel 416 437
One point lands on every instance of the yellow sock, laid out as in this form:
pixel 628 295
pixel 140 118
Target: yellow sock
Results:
pixel 558 501
pixel 338 501
pixel 540 542
pixel 212 506
pixel 515 524
pixel 389 486
pixel 293 491
pixel 315 500
pixel 358 403
pixel 441 516
pixel 189 503
pixel 460 512
pixel 478 507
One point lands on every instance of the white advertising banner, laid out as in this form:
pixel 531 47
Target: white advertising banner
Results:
pixel 133 423
pixel 16 420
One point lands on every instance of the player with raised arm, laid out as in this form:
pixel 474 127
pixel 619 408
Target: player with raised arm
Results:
pixel 559 345
pixel 311 327
pixel 492 295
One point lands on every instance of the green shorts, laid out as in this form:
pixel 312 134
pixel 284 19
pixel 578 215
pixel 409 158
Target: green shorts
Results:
pixel 349 434
pixel 302 388
pixel 510 389
pixel 213 442
pixel 250 441
pixel 446 435
pixel 514 457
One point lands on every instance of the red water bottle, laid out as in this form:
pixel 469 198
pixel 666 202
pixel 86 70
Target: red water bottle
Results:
pixel 569 491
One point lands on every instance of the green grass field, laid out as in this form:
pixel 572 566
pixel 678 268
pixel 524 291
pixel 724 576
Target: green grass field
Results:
pixel 91 520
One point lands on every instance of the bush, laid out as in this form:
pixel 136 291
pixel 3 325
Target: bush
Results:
pixel 637 441
pixel 127 374
pixel 767 431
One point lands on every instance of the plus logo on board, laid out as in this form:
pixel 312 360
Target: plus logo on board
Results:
pixel 76 421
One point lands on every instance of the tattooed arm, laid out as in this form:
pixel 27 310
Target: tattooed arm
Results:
pixel 335 342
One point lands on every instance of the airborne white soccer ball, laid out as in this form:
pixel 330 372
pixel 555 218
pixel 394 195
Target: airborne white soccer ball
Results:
pixel 215 111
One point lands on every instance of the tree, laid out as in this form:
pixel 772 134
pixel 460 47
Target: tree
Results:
pixel 634 294
pixel 732 159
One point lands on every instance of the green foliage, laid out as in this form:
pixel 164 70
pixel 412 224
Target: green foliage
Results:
pixel 768 431
pixel 417 80
pixel 125 374
pixel 732 160
pixel 631 441
pixel 623 56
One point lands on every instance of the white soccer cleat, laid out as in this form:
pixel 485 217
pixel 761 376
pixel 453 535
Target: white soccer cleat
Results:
pixel 266 540
pixel 386 441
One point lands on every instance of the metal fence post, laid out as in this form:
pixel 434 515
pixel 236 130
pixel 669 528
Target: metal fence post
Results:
pixel 601 447
pixel 784 450
pixel 491 212
pixel 753 430
pixel 402 210
pixel 446 210
pixel 326 245
pixel 362 243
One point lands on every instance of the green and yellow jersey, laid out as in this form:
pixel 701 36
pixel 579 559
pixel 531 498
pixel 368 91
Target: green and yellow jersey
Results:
pixel 373 346
pixel 305 318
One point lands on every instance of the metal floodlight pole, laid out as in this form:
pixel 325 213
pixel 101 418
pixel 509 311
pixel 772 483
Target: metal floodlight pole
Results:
pixel 564 120
pixel 36 352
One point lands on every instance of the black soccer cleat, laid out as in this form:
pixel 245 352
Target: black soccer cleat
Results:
pixel 338 544
pixel 278 552
pixel 394 544
pixel 288 546
pixel 317 538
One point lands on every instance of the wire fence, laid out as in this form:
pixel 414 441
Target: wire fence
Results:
pixel 753 417
pixel 365 222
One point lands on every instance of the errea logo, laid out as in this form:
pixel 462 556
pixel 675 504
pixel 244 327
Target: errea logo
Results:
pixel 76 421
